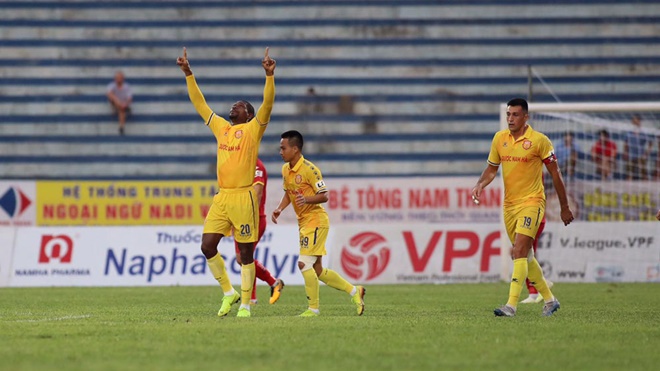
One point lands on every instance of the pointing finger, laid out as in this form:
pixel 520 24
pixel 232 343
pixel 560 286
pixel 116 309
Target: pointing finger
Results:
pixel 185 53
pixel 266 55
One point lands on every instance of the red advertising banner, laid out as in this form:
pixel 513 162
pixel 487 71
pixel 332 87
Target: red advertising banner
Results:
pixel 402 200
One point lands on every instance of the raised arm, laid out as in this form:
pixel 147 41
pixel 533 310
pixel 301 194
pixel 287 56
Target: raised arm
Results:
pixel 196 96
pixel 263 114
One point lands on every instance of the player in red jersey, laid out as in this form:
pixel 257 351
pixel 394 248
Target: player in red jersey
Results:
pixel 534 296
pixel 262 273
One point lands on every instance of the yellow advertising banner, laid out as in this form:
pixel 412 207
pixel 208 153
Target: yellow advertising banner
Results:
pixel 72 203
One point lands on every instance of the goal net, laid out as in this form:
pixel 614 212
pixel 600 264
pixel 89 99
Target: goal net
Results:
pixel 609 157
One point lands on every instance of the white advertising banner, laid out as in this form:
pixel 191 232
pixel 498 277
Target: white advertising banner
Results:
pixel 622 272
pixel 6 250
pixel 420 200
pixel 138 256
pixel 17 203
pixel 414 253
pixel 597 252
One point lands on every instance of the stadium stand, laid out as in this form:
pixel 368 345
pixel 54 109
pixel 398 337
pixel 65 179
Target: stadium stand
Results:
pixel 403 87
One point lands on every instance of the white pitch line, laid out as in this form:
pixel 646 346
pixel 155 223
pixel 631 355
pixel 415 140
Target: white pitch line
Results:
pixel 53 319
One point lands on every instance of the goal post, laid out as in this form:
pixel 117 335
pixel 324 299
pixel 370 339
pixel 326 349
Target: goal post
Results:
pixel 609 156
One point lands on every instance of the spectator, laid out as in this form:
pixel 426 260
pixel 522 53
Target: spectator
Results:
pixel 310 104
pixel 603 154
pixel 636 150
pixel 566 151
pixel 120 96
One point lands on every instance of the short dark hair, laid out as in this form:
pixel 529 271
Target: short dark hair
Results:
pixel 604 132
pixel 248 107
pixel 294 137
pixel 518 102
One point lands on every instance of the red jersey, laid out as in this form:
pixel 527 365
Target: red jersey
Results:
pixel 261 177
pixel 606 149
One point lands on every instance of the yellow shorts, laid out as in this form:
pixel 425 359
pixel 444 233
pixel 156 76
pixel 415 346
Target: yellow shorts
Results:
pixel 523 220
pixel 312 240
pixel 234 211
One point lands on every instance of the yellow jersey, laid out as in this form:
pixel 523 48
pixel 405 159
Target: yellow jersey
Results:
pixel 305 178
pixel 522 164
pixel 238 145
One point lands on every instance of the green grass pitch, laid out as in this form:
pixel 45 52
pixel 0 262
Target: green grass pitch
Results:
pixel 404 327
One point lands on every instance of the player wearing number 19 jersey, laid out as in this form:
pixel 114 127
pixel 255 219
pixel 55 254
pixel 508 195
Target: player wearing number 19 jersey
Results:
pixel 305 189
pixel 522 152
pixel 235 207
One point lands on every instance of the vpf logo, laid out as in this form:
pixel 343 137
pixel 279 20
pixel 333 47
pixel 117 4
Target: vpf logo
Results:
pixel 55 247
pixel 14 202
pixel 366 256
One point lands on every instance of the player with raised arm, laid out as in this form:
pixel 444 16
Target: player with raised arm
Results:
pixel 276 285
pixel 522 151
pixel 305 189
pixel 235 206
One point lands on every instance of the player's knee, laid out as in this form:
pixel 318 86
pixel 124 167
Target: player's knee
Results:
pixel 518 252
pixel 238 259
pixel 318 267
pixel 306 262
pixel 210 246
pixel 209 251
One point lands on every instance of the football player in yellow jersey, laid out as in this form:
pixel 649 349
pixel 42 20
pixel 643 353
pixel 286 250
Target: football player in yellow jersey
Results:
pixel 305 189
pixel 522 152
pixel 235 208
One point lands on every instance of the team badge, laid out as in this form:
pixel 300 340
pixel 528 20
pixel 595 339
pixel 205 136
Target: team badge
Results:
pixel 527 144
pixel 298 179
pixel 239 134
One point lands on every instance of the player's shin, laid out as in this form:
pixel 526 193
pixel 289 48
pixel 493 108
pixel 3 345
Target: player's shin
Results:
pixel 217 266
pixel 306 265
pixel 537 279
pixel 247 282
pixel 334 280
pixel 263 273
pixel 518 277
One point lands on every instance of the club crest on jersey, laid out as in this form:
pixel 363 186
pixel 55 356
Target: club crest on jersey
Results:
pixel 239 134
pixel 527 144
pixel 298 179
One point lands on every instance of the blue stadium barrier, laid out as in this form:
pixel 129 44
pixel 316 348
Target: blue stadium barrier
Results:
pixel 93 139
pixel 333 81
pixel 9 63
pixel 327 22
pixel 295 3
pixel 329 42
pixel 192 117
pixel 367 98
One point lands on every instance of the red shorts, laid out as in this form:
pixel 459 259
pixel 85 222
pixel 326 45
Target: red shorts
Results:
pixel 262 229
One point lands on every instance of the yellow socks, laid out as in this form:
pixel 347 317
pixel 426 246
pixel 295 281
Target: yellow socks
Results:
pixel 537 279
pixel 217 267
pixel 334 280
pixel 311 288
pixel 517 281
pixel 248 272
